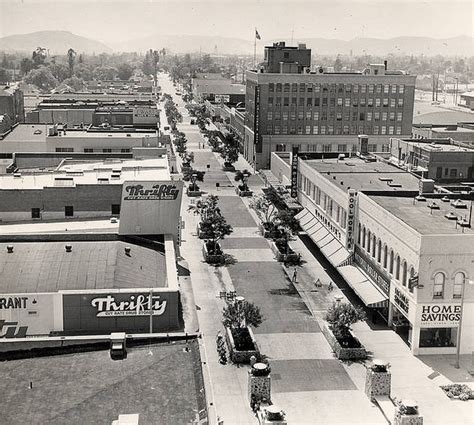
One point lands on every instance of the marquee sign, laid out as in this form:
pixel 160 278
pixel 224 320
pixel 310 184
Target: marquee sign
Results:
pixel 294 172
pixel 136 305
pixel 351 216
pixel 256 121
pixel 157 192
pixel 440 315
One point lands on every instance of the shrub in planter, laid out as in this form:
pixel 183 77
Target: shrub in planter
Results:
pixel 242 177
pixel 265 210
pixel 190 173
pixel 215 227
pixel 230 150
pixel 341 316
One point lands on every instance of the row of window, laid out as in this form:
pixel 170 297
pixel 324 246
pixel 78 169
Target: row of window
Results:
pixel 69 211
pixel 331 129
pixel 340 102
pixel 335 88
pixel 329 147
pixel 338 116
pixel 88 150
pixel 399 268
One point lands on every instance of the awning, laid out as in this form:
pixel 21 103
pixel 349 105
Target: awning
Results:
pixel 363 287
pixel 332 249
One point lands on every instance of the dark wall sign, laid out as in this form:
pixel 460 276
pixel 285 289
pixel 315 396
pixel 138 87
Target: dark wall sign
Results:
pixel 364 261
pixel 121 312
pixel 294 172
pixel 401 300
pixel 256 120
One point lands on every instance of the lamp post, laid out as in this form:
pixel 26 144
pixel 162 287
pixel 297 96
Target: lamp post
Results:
pixel 240 302
pixel 458 342
pixel 193 181
pixel 246 176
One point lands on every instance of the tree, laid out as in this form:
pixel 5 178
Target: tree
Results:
pixel 39 56
pixel 190 173
pixel 4 76
pixel 125 71
pixel 188 159
pixel 265 209
pixel 82 71
pixel 215 228
pixel 81 58
pixel 230 149
pixel 242 176
pixel 76 84
pixel 341 316
pixel 105 72
pixel 71 58
pixel 241 314
pixel 59 71
pixel 26 65
pixel 338 64
pixel 42 78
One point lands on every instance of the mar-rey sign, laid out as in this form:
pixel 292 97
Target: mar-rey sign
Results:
pixel 136 305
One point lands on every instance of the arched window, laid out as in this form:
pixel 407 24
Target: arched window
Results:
pixel 397 267
pixel 412 273
pixel 363 237
pixel 391 262
pixel 385 256
pixel 459 279
pixel 438 289
pixel 404 273
pixel 379 251
pixel 369 239
pixel 374 245
pixel 359 236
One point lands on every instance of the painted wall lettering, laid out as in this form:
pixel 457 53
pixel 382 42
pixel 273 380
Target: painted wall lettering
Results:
pixel 167 192
pixel 13 302
pixel 137 305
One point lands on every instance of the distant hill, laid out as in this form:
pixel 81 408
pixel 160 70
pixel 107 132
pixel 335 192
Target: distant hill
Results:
pixel 460 46
pixel 58 42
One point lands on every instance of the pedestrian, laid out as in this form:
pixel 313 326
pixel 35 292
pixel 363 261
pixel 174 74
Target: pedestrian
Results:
pixel 330 287
pixel 295 276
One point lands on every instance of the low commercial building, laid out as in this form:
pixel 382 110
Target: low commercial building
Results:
pixel 407 257
pixel 467 100
pixel 438 159
pixel 58 138
pixel 218 91
pixel 460 132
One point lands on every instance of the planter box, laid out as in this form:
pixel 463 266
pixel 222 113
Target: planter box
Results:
pixel 193 193
pixel 377 384
pixel 283 257
pixel 260 387
pixel 243 193
pixel 228 168
pixel 239 356
pixel 408 420
pixel 343 353
pixel 212 258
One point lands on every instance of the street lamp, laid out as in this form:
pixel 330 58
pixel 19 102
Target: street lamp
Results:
pixel 239 301
pixel 193 180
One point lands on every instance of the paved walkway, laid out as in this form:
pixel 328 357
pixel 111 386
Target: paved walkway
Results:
pixel 307 382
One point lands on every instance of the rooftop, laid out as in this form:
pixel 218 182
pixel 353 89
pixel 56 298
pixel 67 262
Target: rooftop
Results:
pixel 219 87
pixel 72 173
pixel 90 388
pixel 434 146
pixel 446 117
pixel 425 220
pixel 355 173
pixel 28 133
pixel 47 267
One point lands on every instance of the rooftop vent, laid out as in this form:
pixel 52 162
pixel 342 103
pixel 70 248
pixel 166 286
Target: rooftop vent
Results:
pixel 445 199
pixel 458 204
pixel 385 179
pixel 10 249
pixel 433 206
pixel 115 176
pixel 391 184
pixel 451 216
pixel 102 180
pixel 463 222
pixel 68 248
pixel 16 175
pixel 127 250
pixel 113 219
pixel 420 198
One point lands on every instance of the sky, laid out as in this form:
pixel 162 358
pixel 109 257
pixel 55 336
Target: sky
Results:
pixel 112 21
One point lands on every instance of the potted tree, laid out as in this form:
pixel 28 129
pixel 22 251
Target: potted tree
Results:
pixel 243 188
pixel 193 176
pixel 215 227
pixel 206 209
pixel 238 316
pixel 285 227
pixel 188 159
pixel 340 317
pixel 266 212
pixel 230 152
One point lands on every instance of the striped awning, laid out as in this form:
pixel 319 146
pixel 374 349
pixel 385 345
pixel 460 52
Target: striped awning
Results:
pixel 328 244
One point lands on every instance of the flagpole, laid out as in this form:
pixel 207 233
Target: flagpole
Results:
pixel 255 49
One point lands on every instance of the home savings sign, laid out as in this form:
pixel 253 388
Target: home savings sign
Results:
pixel 158 192
pixel 136 305
pixel 440 315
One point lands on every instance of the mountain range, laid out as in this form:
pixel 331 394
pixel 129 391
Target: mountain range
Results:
pixel 61 41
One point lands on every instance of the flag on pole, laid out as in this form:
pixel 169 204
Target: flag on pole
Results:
pixel 257 35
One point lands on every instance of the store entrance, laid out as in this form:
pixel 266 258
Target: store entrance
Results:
pixel 401 326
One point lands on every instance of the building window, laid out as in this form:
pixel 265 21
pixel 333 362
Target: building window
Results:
pixel 327 147
pixel 390 129
pixel 401 89
pixel 390 269
pixel 280 147
pixel 399 116
pixel 277 129
pixel 342 148
pixel 392 103
pixel 369 116
pixel 286 88
pixel 285 115
pixel 399 130
pixel 278 87
pixel 404 274
pixel 397 267
pixel 69 211
pixel 438 337
pixel 271 87
pixel 347 102
pixel 339 101
pixel 125 150
pixel 270 100
pixel 438 288
pixel 308 129
pixel 363 237
pixel 377 102
pixel 330 129
pixel 115 209
pixel 369 240
pixel 88 150
pixel 106 150
pixel 293 115
pixel 35 213
pixel 384 130
pixel 315 129
pixel 374 245
pixel 379 251
pixel 370 102
pixel 308 115
pixel 269 116
pixel 392 116
pixel 300 115
pixel 385 256
pixel 362 116
pixel 453 172
pixel 459 280
pixel 400 102
pixel 385 101
pixel 64 149
pixel 385 88
pixel 323 129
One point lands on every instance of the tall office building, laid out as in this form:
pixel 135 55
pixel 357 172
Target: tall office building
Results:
pixel 289 104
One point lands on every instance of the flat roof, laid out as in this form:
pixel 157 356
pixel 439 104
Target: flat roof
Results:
pixel 218 87
pixel 423 219
pixel 453 130
pixel 75 133
pixel 446 117
pixel 47 267
pixel 437 147
pixel 72 173
pixel 28 133
pixel 355 173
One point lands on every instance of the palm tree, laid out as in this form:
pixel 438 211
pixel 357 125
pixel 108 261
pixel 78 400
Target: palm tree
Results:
pixel 71 57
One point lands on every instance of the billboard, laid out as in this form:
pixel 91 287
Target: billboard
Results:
pixel 23 315
pixel 150 207
pixel 117 311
